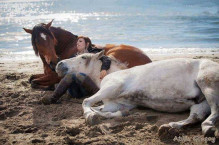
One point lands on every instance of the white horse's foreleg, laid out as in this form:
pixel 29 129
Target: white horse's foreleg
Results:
pixel 98 108
pixel 108 92
pixel 112 114
pixel 89 114
pixel 198 113
pixel 113 106
pixel 208 126
pixel 108 106
pixel 113 109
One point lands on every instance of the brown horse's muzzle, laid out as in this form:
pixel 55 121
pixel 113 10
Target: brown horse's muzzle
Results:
pixel 61 69
pixel 52 65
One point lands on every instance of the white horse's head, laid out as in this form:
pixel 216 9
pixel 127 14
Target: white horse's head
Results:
pixel 85 63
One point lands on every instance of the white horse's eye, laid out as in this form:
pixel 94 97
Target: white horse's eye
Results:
pixel 83 57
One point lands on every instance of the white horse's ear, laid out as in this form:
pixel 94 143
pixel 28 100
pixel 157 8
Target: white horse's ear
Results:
pixel 100 54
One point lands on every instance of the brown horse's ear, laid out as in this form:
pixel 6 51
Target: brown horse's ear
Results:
pixel 28 30
pixel 100 54
pixel 49 24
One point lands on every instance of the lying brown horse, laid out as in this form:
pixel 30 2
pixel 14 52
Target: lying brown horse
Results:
pixel 53 44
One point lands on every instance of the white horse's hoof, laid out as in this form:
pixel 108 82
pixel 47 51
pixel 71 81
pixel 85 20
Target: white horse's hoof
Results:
pixel 163 128
pixel 167 132
pixel 210 132
pixel 91 119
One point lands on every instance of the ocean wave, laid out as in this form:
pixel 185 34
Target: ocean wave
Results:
pixel 29 55
pixel 166 51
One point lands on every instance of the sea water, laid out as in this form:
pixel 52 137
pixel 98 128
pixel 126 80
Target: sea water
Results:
pixel 155 26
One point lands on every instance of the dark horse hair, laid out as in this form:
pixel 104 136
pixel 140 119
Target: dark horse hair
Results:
pixel 36 30
pixel 87 40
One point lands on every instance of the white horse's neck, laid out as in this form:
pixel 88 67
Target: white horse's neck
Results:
pixel 96 69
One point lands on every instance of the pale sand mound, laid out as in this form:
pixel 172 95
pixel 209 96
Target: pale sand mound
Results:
pixel 24 121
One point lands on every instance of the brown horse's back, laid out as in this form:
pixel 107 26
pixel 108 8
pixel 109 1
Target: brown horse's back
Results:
pixel 127 54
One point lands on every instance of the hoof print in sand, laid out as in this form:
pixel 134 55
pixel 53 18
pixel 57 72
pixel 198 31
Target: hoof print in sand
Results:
pixel 13 76
pixel 24 129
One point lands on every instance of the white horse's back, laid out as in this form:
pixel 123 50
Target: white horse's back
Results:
pixel 174 78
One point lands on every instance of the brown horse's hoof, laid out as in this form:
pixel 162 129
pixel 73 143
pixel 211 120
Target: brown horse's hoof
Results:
pixel 34 85
pixel 31 78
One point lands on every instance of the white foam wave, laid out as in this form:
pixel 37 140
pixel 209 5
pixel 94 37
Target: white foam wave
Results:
pixel 29 54
pixel 165 51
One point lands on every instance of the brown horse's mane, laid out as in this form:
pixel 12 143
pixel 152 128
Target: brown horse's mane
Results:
pixel 63 37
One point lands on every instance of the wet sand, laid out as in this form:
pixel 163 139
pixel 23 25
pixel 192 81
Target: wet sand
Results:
pixel 24 121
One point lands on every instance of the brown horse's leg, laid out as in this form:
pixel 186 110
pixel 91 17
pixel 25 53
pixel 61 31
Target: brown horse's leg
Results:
pixel 32 77
pixel 45 81
pixel 44 78
pixel 42 87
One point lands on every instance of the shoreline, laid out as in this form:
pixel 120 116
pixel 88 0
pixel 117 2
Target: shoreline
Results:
pixel 31 56
pixel 176 52
pixel 212 56
pixel 33 64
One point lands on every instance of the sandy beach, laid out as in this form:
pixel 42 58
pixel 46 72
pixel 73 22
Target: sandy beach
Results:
pixel 24 121
pixel 163 29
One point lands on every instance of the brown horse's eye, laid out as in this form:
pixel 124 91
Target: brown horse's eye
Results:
pixel 83 57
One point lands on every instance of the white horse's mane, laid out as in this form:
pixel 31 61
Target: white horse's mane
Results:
pixel 120 64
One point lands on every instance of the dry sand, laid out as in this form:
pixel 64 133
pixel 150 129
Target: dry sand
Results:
pixel 24 121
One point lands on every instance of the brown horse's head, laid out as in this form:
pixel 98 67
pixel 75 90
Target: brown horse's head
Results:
pixel 44 42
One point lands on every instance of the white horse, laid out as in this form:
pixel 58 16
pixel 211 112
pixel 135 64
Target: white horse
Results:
pixel 89 64
pixel 173 85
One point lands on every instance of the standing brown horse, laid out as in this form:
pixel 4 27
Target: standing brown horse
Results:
pixel 53 44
